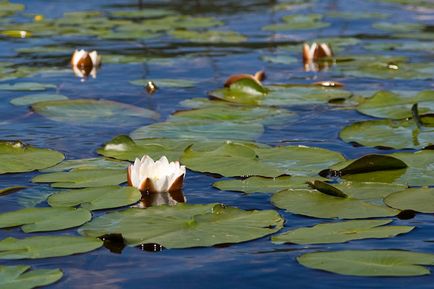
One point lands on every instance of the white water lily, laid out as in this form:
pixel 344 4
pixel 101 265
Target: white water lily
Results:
pixel 156 176
pixel 85 63
pixel 313 53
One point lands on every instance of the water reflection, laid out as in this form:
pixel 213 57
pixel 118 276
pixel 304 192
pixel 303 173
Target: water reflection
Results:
pixel 158 199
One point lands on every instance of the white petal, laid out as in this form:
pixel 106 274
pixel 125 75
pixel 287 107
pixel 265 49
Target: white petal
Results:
pixel 78 55
pixel 96 59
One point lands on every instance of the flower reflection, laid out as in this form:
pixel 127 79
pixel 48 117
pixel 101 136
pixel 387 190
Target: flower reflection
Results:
pixel 85 63
pixel 158 199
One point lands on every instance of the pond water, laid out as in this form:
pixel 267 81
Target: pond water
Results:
pixel 157 54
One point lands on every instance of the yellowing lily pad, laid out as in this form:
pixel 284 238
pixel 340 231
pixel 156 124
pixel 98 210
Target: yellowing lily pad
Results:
pixel 369 262
pixel 45 219
pixel 106 197
pixel 21 277
pixel 93 112
pixel 416 199
pixel 341 232
pixel 186 226
pixel 16 157
pixel 46 247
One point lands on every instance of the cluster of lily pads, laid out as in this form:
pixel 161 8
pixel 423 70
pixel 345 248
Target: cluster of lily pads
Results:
pixel 216 136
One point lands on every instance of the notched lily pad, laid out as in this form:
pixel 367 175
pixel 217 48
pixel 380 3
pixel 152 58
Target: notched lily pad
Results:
pixel 185 226
pixel 369 262
pixel 46 246
pixel 17 157
pixel 341 232
pixel 45 219
pixel 21 277
pixel 96 198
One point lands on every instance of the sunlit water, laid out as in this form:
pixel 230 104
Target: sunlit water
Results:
pixel 255 264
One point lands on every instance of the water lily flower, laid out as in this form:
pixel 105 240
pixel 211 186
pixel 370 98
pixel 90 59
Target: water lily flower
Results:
pixel 160 176
pixel 85 63
pixel 312 54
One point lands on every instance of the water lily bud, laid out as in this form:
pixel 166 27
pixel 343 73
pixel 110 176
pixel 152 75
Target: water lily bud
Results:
pixel 151 87
pixel 258 77
pixel 329 84
pixel 160 176
pixel 38 18
pixel 316 51
pixel 84 63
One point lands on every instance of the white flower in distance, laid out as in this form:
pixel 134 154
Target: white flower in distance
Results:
pixel 85 63
pixel 312 54
pixel 156 176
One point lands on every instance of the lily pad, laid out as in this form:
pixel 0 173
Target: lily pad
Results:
pixel 369 262
pixel 7 8
pixel 46 246
pixel 386 104
pixel 263 184
pixel 21 277
pixel 416 199
pixel 17 157
pixel 141 14
pixel 368 190
pixel 33 98
pixel 83 178
pixel 26 86
pixel 298 22
pixel 398 27
pixel 10 190
pixel 208 36
pixel 200 130
pixel 342 232
pixel 93 112
pixel 45 219
pixel 166 82
pixel 186 226
pixel 96 198
pixel 398 134
pixel 90 163
pixel 315 204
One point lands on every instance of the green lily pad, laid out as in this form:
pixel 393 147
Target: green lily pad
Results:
pixel 418 173
pixel 141 14
pixel 17 157
pixel 369 262
pixel 7 8
pixel 26 86
pixel 45 219
pixel 386 104
pixel 90 163
pixel 46 246
pixel 398 134
pixel 203 130
pixel 398 27
pixel 368 190
pixel 83 178
pixel 21 277
pixel 92 112
pixel 96 198
pixel 234 159
pixel 263 184
pixel 341 232
pixel 282 95
pixel 416 199
pixel 315 204
pixel 33 98
pixel 398 46
pixel 185 226
pixel 166 82
pixel 209 36
pixel 298 22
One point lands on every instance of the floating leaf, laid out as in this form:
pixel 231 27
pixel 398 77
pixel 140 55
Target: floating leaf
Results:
pixel 208 36
pixel 20 277
pixel 92 112
pixel 166 82
pixel 185 226
pixel 398 27
pixel 46 246
pixel 368 190
pixel 26 86
pixel 398 134
pixel 263 185
pixel 203 130
pixel 17 157
pixel 10 190
pixel 386 104
pixel 298 22
pixel 312 203
pixel 416 199
pixel 369 262
pixel 142 13
pixel 96 198
pixel 7 8
pixel 83 178
pixel 33 98
pixel 90 163
pixel 327 189
pixel 45 219
pixel 342 232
